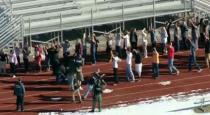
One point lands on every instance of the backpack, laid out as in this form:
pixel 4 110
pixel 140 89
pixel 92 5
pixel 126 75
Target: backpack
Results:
pixel 98 86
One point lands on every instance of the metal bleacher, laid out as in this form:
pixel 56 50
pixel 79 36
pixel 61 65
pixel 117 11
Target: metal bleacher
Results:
pixel 202 5
pixel 10 26
pixel 42 16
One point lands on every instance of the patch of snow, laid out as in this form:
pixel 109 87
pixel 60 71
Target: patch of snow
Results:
pixel 164 83
pixel 166 105
pixel 107 90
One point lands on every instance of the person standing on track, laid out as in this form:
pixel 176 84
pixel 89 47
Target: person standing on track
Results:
pixel 192 56
pixel 127 44
pixel 138 62
pixel 98 87
pixel 155 64
pixel 93 48
pixel 176 37
pixel 26 52
pixel 38 57
pixel 129 73
pixel 118 44
pixel 145 42
pixel 19 91
pixel 17 52
pixel 115 61
pixel 133 39
pixel 207 51
pixel 76 90
pixel 171 66
pixel 164 37
pixel 3 61
pixel 13 62
pixel 153 37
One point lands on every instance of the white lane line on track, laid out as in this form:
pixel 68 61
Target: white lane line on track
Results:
pixel 23 82
pixel 59 105
pixel 131 86
pixel 108 97
pixel 148 91
pixel 30 95
pixel 158 82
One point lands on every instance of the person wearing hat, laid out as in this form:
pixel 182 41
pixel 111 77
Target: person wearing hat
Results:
pixel 19 92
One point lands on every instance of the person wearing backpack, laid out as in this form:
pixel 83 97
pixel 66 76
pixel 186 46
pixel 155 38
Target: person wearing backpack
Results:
pixel 19 91
pixel 99 84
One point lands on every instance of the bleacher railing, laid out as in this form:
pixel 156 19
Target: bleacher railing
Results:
pixel 10 27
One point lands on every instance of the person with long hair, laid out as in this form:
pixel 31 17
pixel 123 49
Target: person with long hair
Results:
pixel 13 62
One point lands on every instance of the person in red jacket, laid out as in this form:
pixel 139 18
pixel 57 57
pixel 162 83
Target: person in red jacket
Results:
pixel 171 66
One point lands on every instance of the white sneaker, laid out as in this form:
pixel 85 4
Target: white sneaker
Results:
pixel 200 70
pixel 177 73
pixel 13 76
pixel 80 88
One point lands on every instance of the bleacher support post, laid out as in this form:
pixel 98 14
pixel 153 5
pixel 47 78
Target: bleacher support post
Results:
pixel 29 41
pixel 92 20
pixel 123 17
pixel 154 13
pixel 61 26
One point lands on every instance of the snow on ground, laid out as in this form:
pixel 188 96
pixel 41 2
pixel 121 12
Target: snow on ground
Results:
pixel 180 104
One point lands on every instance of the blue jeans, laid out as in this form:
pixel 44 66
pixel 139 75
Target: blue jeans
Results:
pixel 84 51
pixel 47 61
pixel 192 60
pixel 129 72
pixel 155 70
pixel 118 50
pixel 171 66
pixel 90 88
pixel 71 77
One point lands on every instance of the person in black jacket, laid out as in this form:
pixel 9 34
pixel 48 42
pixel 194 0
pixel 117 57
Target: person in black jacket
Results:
pixel 138 62
pixel 19 91
pixel 207 51
pixel 133 39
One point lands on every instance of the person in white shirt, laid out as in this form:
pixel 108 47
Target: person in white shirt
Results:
pixel 145 42
pixel 13 62
pixel 126 40
pixel 164 36
pixel 129 72
pixel 115 61
pixel 17 52
pixel 109 46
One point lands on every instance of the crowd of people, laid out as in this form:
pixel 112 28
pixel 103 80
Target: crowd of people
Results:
pixel 69 68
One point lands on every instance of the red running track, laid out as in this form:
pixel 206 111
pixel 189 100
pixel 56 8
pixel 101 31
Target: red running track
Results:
pixel 41 87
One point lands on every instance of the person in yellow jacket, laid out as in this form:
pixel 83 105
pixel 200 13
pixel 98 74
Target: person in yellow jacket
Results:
pixel 155 63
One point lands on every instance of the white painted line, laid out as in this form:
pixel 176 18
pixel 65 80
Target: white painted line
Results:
pixel 148 91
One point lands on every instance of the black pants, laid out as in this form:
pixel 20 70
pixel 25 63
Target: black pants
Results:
pixel 26 63
pixel 184 42
pixel 153 44
pixel 134 45
pixel 116 79
pixel 18 59
pixel 176 44
pixel 202 40
pixel 118 50
pixel 13 68
pixel 20 103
